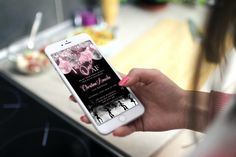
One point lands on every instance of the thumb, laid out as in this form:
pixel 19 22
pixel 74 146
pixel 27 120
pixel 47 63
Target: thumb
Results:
pixel 123 131
pixel 144 76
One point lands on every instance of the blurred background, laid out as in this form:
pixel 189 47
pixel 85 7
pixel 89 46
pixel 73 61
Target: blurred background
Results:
pixel 113 24
pixel 17 17
pixel 161 34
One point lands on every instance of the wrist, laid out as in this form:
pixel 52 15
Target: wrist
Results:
pixel 196 110
pixel 185 101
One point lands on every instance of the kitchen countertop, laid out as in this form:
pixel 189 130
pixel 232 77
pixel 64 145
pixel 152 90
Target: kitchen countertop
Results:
pixel 49 86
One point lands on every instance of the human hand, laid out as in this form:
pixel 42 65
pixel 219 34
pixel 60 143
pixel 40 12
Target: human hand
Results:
pixel 163 100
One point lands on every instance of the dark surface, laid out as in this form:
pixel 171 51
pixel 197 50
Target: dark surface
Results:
pixel 29 127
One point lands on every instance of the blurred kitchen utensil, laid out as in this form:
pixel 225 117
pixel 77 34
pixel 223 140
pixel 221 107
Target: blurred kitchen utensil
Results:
pixel 30 60
pixel 34 30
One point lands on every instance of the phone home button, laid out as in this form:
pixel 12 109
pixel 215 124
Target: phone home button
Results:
pixel 122 118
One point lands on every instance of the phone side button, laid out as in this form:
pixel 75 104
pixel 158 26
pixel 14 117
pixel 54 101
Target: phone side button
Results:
pixel 122 118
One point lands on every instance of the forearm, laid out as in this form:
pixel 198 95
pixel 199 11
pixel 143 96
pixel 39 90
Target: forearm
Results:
pixel 202 107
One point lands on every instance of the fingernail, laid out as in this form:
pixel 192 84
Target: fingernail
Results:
pixel 72 98
pixel 124 81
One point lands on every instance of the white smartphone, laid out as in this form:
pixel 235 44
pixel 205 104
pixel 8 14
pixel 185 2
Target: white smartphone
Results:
pixel 94 83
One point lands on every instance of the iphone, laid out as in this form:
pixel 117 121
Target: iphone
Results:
pixel 94 83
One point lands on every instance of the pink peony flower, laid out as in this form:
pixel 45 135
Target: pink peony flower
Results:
pixel 65 66
pixel 85 56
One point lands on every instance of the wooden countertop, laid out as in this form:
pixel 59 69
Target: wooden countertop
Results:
pixel 168 46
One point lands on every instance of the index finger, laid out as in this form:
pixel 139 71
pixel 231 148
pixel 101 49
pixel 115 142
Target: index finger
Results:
pixel 72 98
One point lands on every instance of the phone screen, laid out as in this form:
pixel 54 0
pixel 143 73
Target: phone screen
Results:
pixel 94 81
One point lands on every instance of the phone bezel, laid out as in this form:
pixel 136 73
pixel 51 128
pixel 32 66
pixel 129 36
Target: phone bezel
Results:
pixel 111 124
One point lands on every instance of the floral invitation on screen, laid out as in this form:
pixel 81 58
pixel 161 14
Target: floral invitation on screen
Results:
pixel 94 81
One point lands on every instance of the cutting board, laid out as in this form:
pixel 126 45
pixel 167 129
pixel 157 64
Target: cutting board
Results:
pixel 169 47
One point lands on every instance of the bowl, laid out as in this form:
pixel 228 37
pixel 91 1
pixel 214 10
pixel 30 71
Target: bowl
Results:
pixel 30 62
